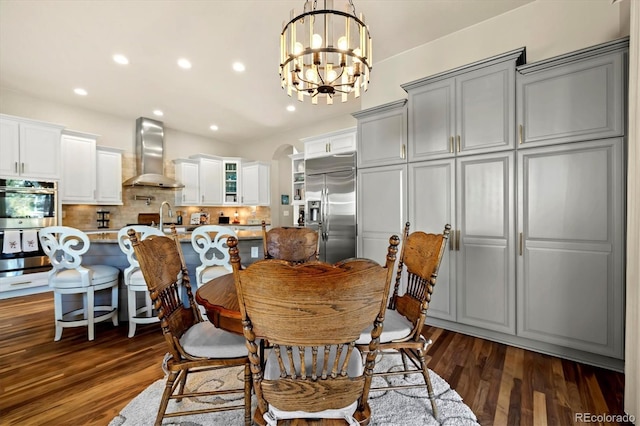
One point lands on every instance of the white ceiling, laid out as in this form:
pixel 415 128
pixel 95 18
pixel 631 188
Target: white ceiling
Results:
pixel 50 47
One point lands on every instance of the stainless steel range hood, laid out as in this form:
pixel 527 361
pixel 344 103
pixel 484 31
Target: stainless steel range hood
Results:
pixel 150 156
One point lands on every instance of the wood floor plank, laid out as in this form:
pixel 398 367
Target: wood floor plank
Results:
pixel 78 382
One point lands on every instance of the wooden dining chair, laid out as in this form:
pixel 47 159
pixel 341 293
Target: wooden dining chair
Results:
pixel 293 244
pixel 195 345
pixel 312 314
pixel 420 258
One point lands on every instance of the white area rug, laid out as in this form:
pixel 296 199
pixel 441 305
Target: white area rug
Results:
pixel 408 407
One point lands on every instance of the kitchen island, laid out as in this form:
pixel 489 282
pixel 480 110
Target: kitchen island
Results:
pixel 104 250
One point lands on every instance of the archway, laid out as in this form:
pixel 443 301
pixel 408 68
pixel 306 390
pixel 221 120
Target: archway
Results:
pixel 281 185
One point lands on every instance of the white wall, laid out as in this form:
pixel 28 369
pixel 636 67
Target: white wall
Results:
pixel 632 340
pixel 116 132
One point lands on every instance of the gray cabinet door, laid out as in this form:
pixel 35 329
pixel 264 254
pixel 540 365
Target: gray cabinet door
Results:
pixel 431 196
pixel 432 125
pixel 381 208
pixel 574 102
pixel 471 113
pixel 570 263
pixel 485 258
pixel 485 109
pixel 382 135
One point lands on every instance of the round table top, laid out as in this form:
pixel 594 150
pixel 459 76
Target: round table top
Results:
pixel 220 301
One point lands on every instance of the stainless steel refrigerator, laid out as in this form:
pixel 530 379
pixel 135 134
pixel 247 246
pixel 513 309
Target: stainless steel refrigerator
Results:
pixel 330 184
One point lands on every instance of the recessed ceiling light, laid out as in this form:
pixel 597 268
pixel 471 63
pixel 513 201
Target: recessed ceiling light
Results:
pixel 121 59
pixel 184 63
pixel 291 108
pixel 79 91
pixel 158 113
pixel 213 127
pixel 238 66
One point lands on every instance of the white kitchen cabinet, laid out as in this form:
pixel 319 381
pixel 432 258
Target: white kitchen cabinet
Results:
pixel 339 142
pixel 108 175
pixel 78 180
pixel 29 149
pixel 256 186
pixel 188 173
pixel 468 110
pixel 381 209
pixel 210 184
pixel 22 285
pixel 232 179
pixel 382 135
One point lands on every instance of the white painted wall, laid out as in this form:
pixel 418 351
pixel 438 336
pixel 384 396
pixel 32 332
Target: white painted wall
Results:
pixel 116 132
pixel 545 27
pixel 632 339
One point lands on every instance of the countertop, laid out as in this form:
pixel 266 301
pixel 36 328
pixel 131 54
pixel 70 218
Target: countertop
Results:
pixel 111 236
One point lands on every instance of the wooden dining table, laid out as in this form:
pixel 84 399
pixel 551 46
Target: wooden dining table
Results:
pixel 220 301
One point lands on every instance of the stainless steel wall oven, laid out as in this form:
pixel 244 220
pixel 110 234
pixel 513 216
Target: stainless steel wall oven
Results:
pixel 26 206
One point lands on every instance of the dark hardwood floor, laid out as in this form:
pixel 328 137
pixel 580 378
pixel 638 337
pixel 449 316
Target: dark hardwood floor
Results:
pixel 77 382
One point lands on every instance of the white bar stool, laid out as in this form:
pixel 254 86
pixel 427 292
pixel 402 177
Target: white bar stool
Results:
pixel 65 246
pixel 134 280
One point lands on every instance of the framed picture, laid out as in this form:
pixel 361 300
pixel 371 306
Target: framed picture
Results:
pixel 284 199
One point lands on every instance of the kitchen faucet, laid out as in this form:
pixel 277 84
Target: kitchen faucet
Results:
pixel 161 215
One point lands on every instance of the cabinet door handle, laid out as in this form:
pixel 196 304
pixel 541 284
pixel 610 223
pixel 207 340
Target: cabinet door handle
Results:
pixel 22 168
pixel 458 143
pixel 458 240
pixel 20 283
pixel 403 149
pixel 203 198
pixel 520 132
pixel 452 241
pixel 16 167
pixel 521 244
pixel 451 144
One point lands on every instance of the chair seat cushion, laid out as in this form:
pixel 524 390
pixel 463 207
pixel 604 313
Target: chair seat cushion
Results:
pixel 395 326
pixel 214 272
pixel 137 279
pixel 70 278
pixel 206 340
pixel 355 367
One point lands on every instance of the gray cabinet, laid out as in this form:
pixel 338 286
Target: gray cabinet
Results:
pixel 581 99
pixel 432 204
pixel 382 135
pixel 381 208
pixel 485 271
pixel 468 110
pixel 570 262
pixel 476 281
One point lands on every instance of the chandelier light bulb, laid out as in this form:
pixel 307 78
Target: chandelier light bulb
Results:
pixel 311 75
pixel 342 43
pixel 331 75
pixel 316 41
pixel 298 48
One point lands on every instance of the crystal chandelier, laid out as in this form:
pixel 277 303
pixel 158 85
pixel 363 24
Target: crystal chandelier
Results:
pixel 324 52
